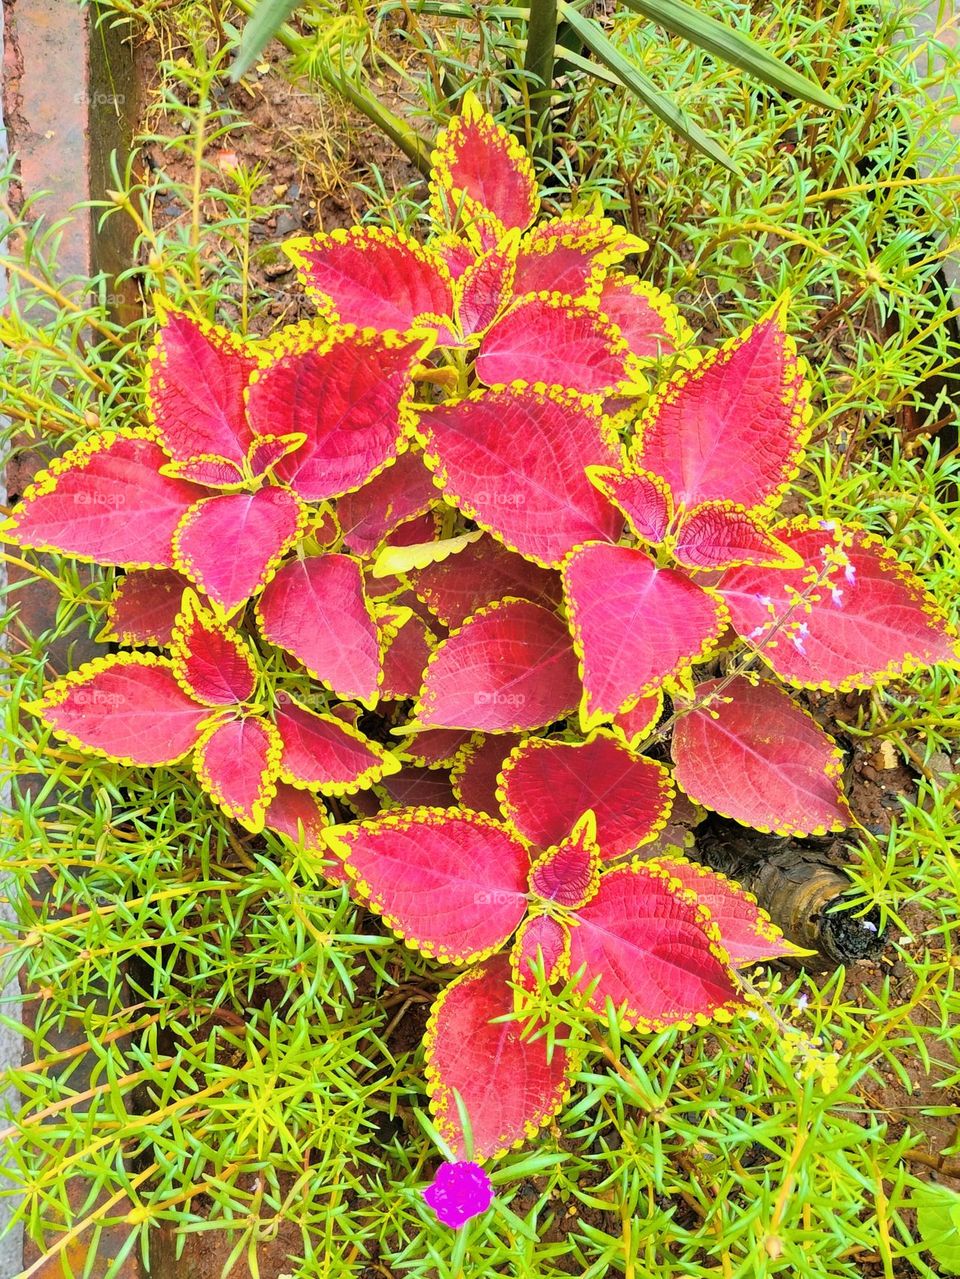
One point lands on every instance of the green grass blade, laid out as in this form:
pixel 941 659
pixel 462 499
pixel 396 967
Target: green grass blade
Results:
pixel 683 20
pixel 267 19
pixel 660 103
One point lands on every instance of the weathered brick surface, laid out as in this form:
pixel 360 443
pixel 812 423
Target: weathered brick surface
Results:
pixel 62 125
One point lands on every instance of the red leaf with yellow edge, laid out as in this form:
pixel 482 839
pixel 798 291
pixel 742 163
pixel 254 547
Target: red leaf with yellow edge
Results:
pixel 732 426
pixel 144 606
pixel 376 278
pixel 569 874
pixel 437 747
pixel 752 754
pixel 723 535
pixel 484 289
pixel 507 1085
pixel 478 169
pixel 648 321
pixel 546 339
pixel 568 255
pixel 514 460
pixel 300 816
pixel 482 572
pixel 237 763
pixel 638 721
pixel 400 491
pixel 548 785
pixel 321 752
pixel 317 609
pixel 456 253
pixel 106 502
pixel 747 933
pixel 510 667
pixel 476 770
pixel 653 950
pixel 196 380
pixel 643 497
pixel 405 657
pixel 551 938
pixel 851 617
pixel 127 707
pixel 451 884
pixel 348 394
pixel 211 472
pixel 633 625
pixel 267 450
pixel 415 531
pixel 324 528
pixel 364 803
pixel 230 545
pixel 413 786
pixel 210 660
pixel 407 599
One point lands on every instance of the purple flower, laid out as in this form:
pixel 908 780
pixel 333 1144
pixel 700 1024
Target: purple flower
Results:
pixel 459 1191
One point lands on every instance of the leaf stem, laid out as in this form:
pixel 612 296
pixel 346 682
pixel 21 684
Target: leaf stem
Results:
pixel 538 63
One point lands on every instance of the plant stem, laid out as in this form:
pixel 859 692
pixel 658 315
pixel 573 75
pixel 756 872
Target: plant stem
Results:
pixel 538 62
pixel 410 142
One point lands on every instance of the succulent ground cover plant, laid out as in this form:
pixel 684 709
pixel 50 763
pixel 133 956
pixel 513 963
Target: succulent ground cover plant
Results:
pixel 490 507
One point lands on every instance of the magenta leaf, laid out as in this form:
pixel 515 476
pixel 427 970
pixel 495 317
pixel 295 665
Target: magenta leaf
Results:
pixel 196 380
pixel 569 874
pixel 322 752
pixel 452 884
pixel 399 492
pixel 654 952
pixel 105 501
pixel 548 785
pixel 317 609
pixel 508 1086
pixel 348 395
pixel 851 617
pixel 484 571
pixel 127 707
pixel 144 606
pixel 746 932
pixel 514 460
pixel 259 528
pixel 634 625
pixel 752 754
pixel 510 667
pixel 734 426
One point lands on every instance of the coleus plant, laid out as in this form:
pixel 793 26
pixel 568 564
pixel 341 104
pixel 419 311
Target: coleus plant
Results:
pixel 457 503
pixel 554 874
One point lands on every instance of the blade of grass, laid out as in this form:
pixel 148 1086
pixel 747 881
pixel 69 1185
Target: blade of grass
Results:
pixel 732 46
pixel 265 21
pixel 660 103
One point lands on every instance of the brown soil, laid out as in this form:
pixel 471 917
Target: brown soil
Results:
pixel 314 153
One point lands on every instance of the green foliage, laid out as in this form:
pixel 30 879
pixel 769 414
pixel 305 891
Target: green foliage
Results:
pixel 540 34
pixel 265 21
pixel 244 1024
pixel 938 1224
